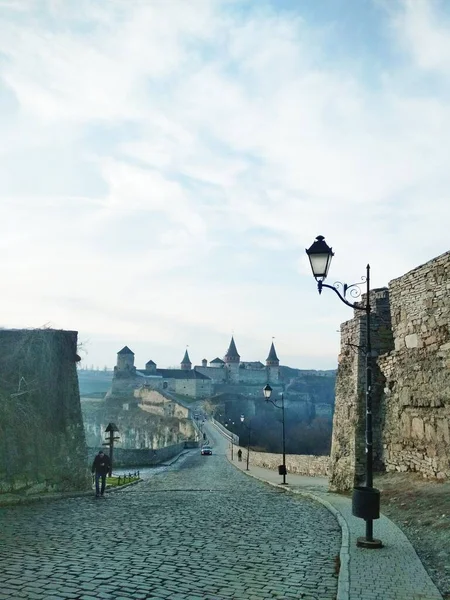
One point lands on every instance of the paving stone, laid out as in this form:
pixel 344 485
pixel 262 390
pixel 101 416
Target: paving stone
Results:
pixel 169 539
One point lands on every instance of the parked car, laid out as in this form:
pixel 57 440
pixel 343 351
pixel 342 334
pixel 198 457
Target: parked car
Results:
pixel 206 450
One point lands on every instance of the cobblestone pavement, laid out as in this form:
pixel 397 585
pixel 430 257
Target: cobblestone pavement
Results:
pixel 197 530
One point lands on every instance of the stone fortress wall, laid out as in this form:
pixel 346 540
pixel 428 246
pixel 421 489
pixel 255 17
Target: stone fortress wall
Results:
pixel 42 441
pixel 301 464
pixel 411 380
pixel 416 400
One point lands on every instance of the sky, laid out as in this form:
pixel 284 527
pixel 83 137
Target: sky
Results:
pixel 165 163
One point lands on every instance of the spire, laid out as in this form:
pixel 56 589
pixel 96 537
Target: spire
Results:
pixel 272 359
pixel 232 354
pixel 186 362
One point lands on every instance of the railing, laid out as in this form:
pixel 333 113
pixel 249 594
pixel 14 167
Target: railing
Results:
pixel 123 478
pixel 225 432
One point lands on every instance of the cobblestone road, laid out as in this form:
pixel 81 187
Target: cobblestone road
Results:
pixel 199 530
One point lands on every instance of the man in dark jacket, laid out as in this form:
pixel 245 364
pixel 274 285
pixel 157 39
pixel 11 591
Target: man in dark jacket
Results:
pixel 100 467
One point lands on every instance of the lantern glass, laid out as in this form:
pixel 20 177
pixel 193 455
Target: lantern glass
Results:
pixel 267 391
pixel 320 255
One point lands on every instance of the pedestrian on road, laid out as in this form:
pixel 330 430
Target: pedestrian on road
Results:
pixel 100 467
pixel 239 455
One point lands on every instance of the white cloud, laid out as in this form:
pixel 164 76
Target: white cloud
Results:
pixel 164 165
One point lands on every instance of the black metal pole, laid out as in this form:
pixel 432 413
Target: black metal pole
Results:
pixel 284 439
pixel 248 447
pixel 111 450
pixel 369 436
pixel 231 448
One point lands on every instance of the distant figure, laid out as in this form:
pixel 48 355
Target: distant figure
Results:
pixel 100 467
pixel 239 455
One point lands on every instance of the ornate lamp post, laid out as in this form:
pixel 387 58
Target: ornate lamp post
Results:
pixel 249 430
pixel 366 499
pixel 230 422
pixel 111 429
pixel 267 391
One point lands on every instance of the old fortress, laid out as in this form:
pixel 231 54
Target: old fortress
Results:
pixel 199 381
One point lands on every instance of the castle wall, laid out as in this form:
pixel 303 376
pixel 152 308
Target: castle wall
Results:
pixel 233 372
pixel 348 441
pixel 42 442
pixel 416 433
pixel 217 374
pixel 411 380
pixel 195 388
pixel 253 376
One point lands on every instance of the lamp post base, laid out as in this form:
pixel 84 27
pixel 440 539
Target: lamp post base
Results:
pixel 363 542
pixel 284 483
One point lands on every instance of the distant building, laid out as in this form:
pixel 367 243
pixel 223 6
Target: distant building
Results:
pixel 200 381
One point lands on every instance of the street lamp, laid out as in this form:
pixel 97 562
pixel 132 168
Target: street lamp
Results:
pixel 111 429
pixel 248 428
pixel 230 422
pixel 366 499
pixel 267 391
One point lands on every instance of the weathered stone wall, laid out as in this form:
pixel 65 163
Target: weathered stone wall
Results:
pixel 124 458
pixel 195 388
pixel 42 443
pixel 138 429
pixel 417 391
pixel 295 463
pixel 411 380
pixel 348 442
pixel 217 374
pixel 155 402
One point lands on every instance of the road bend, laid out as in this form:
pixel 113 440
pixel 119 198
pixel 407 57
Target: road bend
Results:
pixel 199 529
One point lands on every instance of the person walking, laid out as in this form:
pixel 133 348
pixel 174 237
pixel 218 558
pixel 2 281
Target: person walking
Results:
pixel 100 467
pixel 239 455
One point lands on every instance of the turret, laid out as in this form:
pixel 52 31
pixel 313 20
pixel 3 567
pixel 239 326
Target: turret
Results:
pixel 186 364
pixel 232 360
pixel 273 365
pixel 150 366
pixel 125 361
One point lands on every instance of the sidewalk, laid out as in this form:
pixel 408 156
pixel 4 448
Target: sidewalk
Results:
pixel 393 572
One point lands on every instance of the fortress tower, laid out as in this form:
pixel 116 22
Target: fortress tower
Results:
pixel 150 366
pixel 273 365
pixel 232 361
pixel 186 364
pixel 125 362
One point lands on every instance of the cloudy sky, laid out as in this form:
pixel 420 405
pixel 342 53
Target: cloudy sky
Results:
pixel 164 164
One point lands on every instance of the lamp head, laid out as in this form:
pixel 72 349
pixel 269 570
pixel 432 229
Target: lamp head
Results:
pixel 242 418
pixel 320 255
pixel 267 391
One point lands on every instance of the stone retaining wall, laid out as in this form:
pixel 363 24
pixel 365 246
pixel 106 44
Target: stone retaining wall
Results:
pixel 315 466
pixel 143 457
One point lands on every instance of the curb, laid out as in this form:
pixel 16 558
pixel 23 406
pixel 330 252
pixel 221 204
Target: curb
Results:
pixel 169 464
pixel 343 590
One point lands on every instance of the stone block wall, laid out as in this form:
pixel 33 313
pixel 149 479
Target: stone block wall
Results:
pixel 138 429
pixel 157 403
pixel 410 331
pixel 313 466
pixel 416 432
pixel 42 442
pixel 348 443
pixel 131 458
